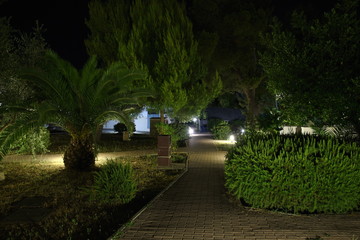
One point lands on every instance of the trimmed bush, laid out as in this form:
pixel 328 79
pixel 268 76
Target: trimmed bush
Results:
pixel 300 174
pixel 114 184
pixel 181 133
pixel 121 127
pixel 221 130
pixel 34 142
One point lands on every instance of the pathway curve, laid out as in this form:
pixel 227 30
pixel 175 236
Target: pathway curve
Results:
pixel 196 207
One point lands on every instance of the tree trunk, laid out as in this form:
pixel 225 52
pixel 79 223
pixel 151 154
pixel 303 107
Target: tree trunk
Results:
pixel 252 108
pixel 80 154
pixel 162 117
pixel 298 130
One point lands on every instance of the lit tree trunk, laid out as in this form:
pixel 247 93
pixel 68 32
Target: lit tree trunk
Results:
pixel 298 130
pixel 80 154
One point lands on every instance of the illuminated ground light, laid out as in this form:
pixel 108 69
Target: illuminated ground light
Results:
pixel 232 139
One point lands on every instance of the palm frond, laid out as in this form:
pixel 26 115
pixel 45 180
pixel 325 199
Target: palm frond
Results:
pixel 15 131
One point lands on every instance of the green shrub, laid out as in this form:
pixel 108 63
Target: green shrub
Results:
pixel 34 142
pixel 295 173
pixel 181 131
pixel 270 121
pixel 121 127
pixel 114 184
pixel 221 130
pixel 213 122
pixel 179 158
pixel 237 125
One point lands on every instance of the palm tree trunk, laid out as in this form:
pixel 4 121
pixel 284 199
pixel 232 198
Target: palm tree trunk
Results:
pixel 80 154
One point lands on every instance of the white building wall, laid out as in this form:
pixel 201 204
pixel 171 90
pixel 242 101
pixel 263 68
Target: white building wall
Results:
pixel 292 130
pixel 110 125
pixel 141 122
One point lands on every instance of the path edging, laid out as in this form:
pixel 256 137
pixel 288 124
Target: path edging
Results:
pixel 121 230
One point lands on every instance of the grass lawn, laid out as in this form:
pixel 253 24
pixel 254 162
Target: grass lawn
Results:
pixel 224 145
pixel 70 212
pixel 106 143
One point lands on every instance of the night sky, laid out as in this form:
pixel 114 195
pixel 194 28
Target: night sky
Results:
pixel 64 20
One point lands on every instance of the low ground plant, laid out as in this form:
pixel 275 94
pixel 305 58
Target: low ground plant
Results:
pixel 73 214
pixel 114 184
pixel 179 158
pixel 301 174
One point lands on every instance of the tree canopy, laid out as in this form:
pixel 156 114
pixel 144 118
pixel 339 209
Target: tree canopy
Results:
pixel 17 50
pixel 156 36
pixel 313 67
pixel 228 33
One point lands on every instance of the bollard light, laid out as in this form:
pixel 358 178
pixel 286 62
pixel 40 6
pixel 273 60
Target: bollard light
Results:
pixel 232 138
pixel 191 131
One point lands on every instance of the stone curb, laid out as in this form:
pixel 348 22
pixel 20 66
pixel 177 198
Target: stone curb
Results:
pixel 121 231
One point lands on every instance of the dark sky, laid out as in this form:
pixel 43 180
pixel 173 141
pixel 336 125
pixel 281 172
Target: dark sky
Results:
pixel 64 20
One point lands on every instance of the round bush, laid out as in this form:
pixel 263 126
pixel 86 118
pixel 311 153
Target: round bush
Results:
pixel 114 184
pixel 121 127
pixel 221 130
pixel 303 174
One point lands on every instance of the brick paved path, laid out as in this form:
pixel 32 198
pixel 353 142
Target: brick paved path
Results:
pixel 196 207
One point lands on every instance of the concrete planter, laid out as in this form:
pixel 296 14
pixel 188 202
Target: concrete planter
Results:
pixel 164 150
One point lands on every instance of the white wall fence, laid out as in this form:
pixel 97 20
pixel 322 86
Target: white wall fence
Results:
pixel 304 130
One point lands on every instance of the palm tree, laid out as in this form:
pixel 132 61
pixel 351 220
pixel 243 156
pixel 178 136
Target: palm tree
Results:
pixel 78 101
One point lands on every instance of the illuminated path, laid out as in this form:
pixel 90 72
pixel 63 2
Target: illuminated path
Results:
pixel 196 207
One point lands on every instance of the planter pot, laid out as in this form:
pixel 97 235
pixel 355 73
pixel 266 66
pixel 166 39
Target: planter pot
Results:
pixel 164 150
pixel 164 161
pixel 164 141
